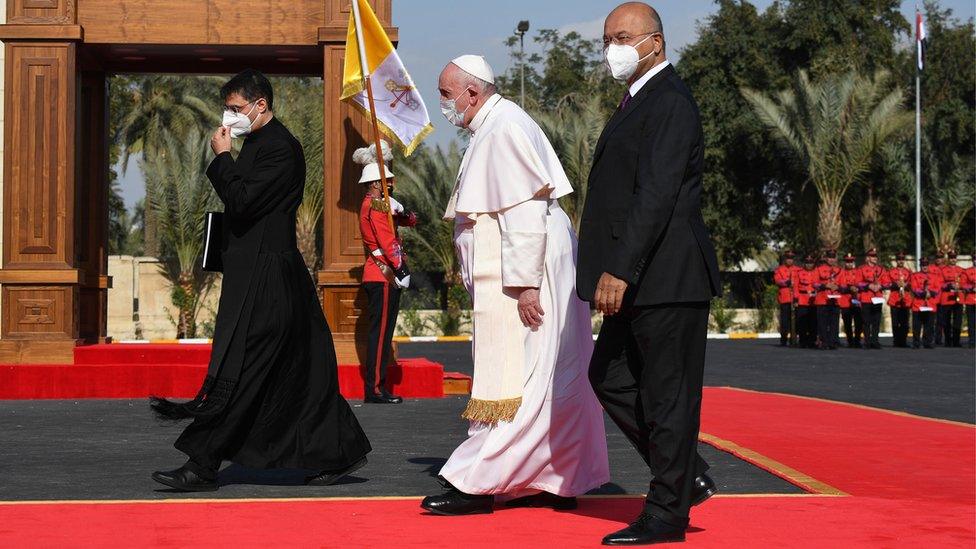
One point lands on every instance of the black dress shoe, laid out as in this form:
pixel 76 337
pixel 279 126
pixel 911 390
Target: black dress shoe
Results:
pixel 455 502
pixel 646 530
pixel 185 480
pixel 544 499
pixel 326 478
pixel 704 488
pixel 382 398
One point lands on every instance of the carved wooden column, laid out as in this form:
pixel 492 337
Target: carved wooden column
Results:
pixel 39 317
pixel 345 130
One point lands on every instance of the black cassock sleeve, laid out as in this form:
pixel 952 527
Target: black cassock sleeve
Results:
pixel 255 193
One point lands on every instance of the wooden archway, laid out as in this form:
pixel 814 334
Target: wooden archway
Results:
pixel 53 279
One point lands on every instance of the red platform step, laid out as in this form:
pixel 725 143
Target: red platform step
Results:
pixel 138 370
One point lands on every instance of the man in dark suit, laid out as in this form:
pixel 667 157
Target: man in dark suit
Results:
pixel 646 262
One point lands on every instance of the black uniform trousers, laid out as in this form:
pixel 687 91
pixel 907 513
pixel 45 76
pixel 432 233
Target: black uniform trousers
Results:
pixel 953 324
pixel 828 317
pixel 806 325
pixel 923 326
pixel 872 324
pixel 899 326
pixel 853 325
pixel 647 370
pixel 384 306
pixel 940 324
pixel 971 324
pixel 786 329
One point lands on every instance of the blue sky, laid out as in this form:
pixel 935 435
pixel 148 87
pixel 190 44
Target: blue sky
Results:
pixel 432 32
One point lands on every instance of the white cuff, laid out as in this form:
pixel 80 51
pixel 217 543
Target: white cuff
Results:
pixel 523 259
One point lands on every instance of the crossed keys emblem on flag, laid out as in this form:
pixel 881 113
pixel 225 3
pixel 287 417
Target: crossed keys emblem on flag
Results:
pixel 401 95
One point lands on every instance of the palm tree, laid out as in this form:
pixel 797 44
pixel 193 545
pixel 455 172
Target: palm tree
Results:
pixel 574 128
pixel 176 178
pixel 835 127
pixel 948 202
pixel 425 182
pixel 165 108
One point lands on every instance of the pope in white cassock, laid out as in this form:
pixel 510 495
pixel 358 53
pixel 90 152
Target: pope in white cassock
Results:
pixel 536 435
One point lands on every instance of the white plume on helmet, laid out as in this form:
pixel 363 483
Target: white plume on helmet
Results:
pixel 366 157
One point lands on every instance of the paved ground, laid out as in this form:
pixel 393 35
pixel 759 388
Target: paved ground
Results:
pixel 105 449
pixel 936 383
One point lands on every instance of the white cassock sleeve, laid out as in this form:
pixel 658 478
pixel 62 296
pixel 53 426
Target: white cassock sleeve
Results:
pixel 523 228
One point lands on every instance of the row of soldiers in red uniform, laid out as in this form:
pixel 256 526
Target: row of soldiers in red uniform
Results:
pixel 813 298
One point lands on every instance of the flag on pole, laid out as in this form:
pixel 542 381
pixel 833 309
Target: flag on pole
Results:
pixel 400 111
pixel 920 36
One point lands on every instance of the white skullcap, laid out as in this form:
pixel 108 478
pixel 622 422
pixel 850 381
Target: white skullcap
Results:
pixel 476 66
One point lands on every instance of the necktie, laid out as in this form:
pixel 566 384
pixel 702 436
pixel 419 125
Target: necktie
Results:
pixel 625 100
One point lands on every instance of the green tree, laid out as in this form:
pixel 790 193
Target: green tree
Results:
pixel 176 178
pixel 163 109
pixel 835 127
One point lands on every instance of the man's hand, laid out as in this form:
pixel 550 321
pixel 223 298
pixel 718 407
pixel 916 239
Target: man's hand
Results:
pixel 221 141
pixel 529 309
pixel 609 294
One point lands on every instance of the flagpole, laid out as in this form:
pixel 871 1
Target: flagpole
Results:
pixel 918 143
pixel 372 111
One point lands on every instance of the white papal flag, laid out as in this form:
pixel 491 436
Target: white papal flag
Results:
pixel 400 110
pixel 920 37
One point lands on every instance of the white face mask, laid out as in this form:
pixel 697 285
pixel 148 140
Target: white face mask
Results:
pixel 238 122
pixel 450 112
pixel 623 59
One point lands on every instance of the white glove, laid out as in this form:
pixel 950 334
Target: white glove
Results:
pixel 396 206
pixel 402 282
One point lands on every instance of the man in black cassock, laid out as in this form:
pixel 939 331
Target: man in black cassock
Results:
pixel 271 396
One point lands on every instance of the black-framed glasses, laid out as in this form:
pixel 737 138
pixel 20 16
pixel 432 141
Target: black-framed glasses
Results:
pixel 237 109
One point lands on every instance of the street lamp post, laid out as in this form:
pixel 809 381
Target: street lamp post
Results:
pixel 521 29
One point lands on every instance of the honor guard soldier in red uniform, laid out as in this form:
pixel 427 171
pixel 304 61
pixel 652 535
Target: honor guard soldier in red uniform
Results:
pixel 925 285
pixel 872 281
pixel 828 295
pixel 969 288
pixel 783 277
pixel 940 324
pixel 804 294
pixel 951 301
pixel 850 307
pixel 385 272
pixel 899 300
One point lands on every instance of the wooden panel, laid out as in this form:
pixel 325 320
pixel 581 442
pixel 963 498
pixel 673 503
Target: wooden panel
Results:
pixel 39 156
pixel 22 351
pixel 39 312
pixel 345 131
pixel 274 22
pixel 338 11
pixel 41 32
pixel 37 276
pixel 41 11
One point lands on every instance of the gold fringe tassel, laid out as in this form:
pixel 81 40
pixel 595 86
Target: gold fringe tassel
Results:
pixel 491 411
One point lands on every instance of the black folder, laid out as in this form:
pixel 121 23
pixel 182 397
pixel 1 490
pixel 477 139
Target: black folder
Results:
pixel 212 240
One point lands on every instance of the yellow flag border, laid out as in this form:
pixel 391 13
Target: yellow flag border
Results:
pixel 408 148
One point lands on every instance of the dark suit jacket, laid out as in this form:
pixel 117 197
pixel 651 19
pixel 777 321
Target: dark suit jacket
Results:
pixel 642 220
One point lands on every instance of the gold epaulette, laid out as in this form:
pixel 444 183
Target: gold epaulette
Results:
pixel 380 205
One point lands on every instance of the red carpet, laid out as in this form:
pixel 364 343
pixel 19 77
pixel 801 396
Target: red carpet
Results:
pixel 911 484
pixel 723 522
pixel 140 370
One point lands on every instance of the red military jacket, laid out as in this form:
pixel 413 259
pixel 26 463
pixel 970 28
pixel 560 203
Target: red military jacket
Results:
pixel 803 286
pixel 871 274
pixel 901 294
pixel 847 279
pixel 925 287
pixel 951 274
pixel 783 277
pixel 826 274
pixel 379 240
pixel 970 287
